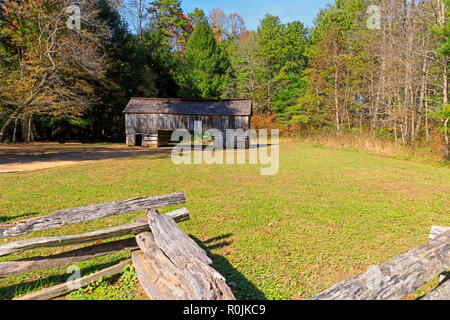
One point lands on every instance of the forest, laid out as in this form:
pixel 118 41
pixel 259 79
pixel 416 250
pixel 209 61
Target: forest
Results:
pixel 349 74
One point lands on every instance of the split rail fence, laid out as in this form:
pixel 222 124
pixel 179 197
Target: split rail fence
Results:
pixel 168 263
pixel 401 275
pixel 171 266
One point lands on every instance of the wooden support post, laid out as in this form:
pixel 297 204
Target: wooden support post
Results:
pixel 159 278
pixel 177 263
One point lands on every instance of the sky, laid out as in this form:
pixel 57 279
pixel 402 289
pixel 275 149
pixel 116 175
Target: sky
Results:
pixel 252 11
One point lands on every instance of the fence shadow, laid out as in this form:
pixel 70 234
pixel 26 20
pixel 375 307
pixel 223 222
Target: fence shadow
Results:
pixel 245 290
pixel 5 219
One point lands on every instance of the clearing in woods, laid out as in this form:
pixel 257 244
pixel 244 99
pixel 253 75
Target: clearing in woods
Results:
pixel 327 215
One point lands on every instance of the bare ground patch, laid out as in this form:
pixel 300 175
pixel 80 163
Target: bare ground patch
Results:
pixel 35 156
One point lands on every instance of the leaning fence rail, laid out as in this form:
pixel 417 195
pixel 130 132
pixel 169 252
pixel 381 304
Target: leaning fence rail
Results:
pixel 401 275
pixel 168 263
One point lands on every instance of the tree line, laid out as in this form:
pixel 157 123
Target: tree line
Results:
pixel 383 72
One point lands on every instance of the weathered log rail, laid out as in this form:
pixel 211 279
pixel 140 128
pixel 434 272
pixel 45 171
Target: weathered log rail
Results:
pixel 168 263
pixel 183 269
pixel 401 275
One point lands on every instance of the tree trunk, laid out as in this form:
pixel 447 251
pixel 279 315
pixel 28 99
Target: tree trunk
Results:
pixel 30 129
pixel 423 90
pixel 336 100
pixel 447 157
pixel 8 122
pixel 445 90
pixel 26 129
pixel 427 130
pixel 15 131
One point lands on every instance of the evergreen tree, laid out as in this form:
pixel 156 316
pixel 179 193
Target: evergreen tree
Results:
pixel 168 16
pixel 281 56
pixel 198 15
pixel 204 72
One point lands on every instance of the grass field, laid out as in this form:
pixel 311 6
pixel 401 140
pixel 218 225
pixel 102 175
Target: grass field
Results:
pixel 328 214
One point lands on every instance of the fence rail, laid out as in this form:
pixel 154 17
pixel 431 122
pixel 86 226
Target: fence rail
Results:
pixel 88 213
pixel 154 237
pixel 401 275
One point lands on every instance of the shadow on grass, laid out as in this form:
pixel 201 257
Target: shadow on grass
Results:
pixel 32 156
pixel 4 219
pixel 245 290
pixel 15 290
pixel 43 154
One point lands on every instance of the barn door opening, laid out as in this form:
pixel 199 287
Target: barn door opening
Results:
pixel 138 139
pixel 164 137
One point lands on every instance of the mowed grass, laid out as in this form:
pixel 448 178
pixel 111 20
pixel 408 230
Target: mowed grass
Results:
pixel 327 215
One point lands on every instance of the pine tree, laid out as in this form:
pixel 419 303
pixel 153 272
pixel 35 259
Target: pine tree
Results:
pixel 168 16
pixel 204 73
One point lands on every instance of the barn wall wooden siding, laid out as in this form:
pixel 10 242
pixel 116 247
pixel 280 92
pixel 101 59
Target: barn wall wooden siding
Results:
pixel 148 125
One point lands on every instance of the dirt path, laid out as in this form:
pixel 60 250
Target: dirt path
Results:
pixel 34 156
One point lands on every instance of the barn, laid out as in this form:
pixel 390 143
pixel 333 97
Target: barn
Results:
pixel 149 122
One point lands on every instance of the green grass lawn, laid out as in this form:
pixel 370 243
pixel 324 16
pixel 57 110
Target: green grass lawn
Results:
pixel 328 214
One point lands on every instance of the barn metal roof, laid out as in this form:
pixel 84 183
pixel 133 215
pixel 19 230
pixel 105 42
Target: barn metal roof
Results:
pixel 235 107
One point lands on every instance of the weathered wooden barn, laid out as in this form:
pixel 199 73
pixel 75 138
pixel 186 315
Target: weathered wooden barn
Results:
pixel 149 122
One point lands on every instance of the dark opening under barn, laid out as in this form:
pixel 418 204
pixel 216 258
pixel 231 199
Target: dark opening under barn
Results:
pixel 149 122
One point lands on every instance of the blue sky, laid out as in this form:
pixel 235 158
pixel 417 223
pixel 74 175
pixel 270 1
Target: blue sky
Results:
pixel 252 11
